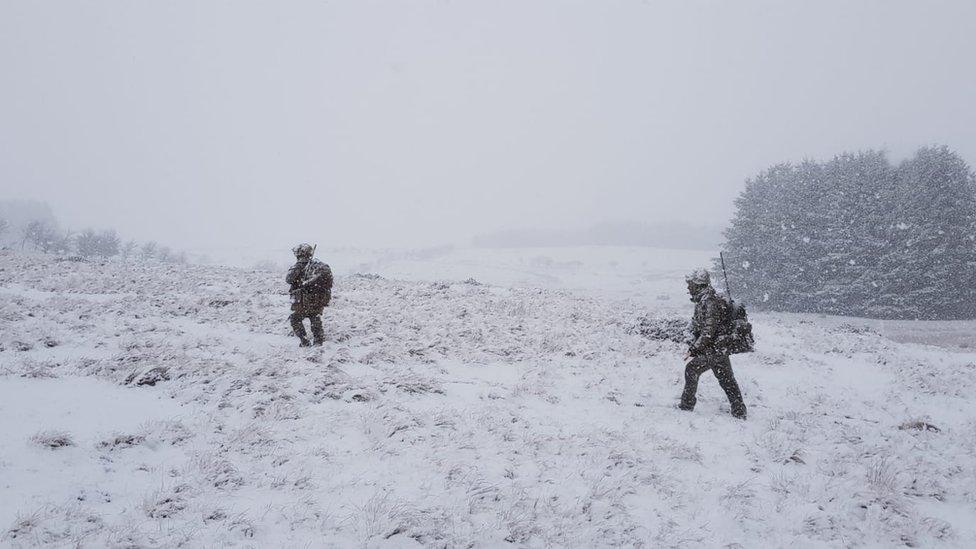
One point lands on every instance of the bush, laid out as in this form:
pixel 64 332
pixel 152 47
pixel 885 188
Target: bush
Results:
pixel 88 243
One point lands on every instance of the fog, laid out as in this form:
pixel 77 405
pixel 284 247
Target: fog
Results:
pixel 232 123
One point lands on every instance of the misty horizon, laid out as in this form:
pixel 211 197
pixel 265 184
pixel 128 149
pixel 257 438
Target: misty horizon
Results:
pixel 202 125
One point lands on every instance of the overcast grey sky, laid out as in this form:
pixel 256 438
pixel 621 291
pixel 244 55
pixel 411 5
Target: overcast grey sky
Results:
pixel 417 122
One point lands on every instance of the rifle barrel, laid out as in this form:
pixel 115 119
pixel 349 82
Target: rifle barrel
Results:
pixel 725 273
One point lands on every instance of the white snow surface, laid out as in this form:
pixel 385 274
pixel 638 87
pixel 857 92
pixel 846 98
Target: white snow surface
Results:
pixel 165 405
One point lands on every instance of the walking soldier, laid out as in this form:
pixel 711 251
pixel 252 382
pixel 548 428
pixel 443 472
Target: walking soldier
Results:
pixel 711 343
pixel 310 284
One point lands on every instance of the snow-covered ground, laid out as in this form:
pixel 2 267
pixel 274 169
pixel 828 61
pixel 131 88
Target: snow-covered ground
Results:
pixel 465 398
pixel 640 273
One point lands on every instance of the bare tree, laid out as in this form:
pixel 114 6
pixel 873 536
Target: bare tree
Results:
pixel 165 254
pixel 31 233
pixel 86 243
pixel 128 249
pixel 41 235
pixel 108 243
pixel 148 251
pixel 58 243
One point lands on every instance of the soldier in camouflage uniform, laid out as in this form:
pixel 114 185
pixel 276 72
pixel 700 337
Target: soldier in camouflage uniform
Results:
pixel 707 350
pixel 310 281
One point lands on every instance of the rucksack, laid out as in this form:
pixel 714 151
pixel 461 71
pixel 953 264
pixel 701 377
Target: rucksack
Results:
pixel 737 330
pixel 322 273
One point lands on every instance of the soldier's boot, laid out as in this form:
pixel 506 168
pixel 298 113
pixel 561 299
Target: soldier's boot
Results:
pixel 318 334
pixel 726 378
pixel 299 328
pixel 737 407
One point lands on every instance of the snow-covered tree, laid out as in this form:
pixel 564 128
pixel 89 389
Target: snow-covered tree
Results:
pixel 931 272
pixel 856 235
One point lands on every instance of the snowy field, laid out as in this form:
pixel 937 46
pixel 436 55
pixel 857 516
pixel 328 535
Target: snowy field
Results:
pixel 465 398
pixel 623 272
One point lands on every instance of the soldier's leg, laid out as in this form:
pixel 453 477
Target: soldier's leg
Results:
pixel 298 327
pixel 723 371
pixel 318 334
pixel 693 370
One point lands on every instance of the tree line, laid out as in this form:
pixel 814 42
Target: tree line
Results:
pixel 859 235
pixel 44 236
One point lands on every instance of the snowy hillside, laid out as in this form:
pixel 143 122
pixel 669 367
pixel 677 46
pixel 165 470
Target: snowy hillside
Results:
pixel 163 405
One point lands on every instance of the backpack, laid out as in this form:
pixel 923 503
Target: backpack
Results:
pixel 737 330
pixel 321 272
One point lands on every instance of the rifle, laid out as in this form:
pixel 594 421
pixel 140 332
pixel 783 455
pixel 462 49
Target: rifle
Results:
pixel 728 291
pixel 309 264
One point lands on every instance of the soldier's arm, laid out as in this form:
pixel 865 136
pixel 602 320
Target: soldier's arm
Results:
pixel 292 277
pixel 709 328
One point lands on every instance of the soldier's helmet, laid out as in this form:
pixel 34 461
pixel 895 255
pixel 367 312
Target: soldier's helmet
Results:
pixel 698 278
pixel 302 251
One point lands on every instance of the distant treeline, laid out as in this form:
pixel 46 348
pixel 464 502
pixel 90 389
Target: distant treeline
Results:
pixel 858 235
pixel 659 235
pixel 41 233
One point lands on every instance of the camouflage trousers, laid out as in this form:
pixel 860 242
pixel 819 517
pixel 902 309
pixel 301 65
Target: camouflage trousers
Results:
pixel 314 315
pixel 721 366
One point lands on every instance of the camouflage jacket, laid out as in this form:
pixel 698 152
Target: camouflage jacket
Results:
pixel 310 278
pixel 707 333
